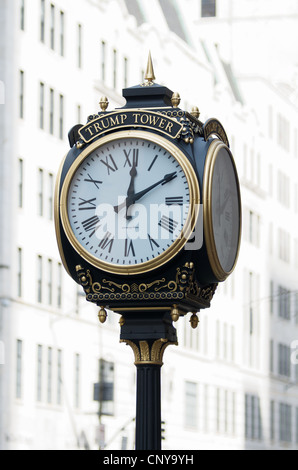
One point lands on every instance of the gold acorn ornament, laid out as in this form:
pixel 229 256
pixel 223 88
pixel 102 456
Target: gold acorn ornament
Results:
pixel 102 315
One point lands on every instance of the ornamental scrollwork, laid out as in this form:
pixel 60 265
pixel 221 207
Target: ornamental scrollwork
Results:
pixel 182 286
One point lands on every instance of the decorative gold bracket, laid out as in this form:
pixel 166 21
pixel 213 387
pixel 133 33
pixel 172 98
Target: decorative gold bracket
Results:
pixel 146 353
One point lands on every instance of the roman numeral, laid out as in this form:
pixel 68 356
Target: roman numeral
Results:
pixel 91 224
pixel 135 157
pixel 129 247
pixel 91 180
pixel 106 242
pixel 87 204
pixel 110 164
pixel 152 163
pixel 168 224
pixel 152 242
pixel 174 201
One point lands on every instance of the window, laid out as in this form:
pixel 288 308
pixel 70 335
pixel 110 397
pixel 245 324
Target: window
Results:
pixel 41 105
pixel 284 305
pixel 59 377
pixel 106 384
pixel 114 69
pixel 208 8
pixel 19 369
pixel 50 195
pixel 233 413
pixel 51 120
pixel 20 272
pixel 52 29
pixel 59 285
pixel 79 59
pixel 39 373
pixel 50 281
pixel 49 377
pixel 285 422
pixel 61 116
pixel 77 381
pixel 21 183
pixel 42 20
pixel 284 360
pixel 103 61
pixel 125 72
pixel 21 97
pixel 40 192
pixel 252 227
pixel 251 285
pixel 271 301
pixel 253 422
pixel 284 245
pixel 217 409
pixel 272 420
pixel 283 189
pixel 283 132
pixel 191 404
pixel 22 15
pixel 271 356
pixel 39 278
pixel 206 408
pixel 62 32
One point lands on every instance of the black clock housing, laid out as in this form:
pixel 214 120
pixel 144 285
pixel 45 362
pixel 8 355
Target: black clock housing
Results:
pixel 188 278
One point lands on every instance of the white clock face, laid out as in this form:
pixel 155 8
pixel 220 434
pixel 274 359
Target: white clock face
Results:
pixel 225 210
pixel 128 202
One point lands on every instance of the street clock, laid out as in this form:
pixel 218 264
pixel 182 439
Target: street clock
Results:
pixel 147 205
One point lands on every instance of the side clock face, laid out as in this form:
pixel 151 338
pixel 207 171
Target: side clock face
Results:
pixel 222 210
pixel 128 202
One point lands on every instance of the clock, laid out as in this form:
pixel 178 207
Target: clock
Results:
pixel 222 210
pixel 129 202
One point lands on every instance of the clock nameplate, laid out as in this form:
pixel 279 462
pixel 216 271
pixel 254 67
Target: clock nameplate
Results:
pixel 136 118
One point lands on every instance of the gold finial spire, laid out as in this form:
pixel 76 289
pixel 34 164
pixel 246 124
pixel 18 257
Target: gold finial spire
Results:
pixel 149 75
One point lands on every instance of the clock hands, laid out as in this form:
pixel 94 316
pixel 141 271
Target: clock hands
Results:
pixel 166 179
pixel 131 187
pixel 133 197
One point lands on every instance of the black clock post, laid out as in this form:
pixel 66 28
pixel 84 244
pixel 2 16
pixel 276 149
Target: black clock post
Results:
pixel 148 334
pixel 151 151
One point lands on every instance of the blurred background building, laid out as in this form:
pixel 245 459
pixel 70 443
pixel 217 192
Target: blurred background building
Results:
pixel 65 381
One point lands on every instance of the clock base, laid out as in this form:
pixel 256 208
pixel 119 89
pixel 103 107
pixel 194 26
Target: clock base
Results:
pixel 177 289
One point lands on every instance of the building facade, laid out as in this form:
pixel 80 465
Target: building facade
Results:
pixel 232 382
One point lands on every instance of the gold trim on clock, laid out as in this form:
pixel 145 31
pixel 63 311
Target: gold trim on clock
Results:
pixel 188 227
pixel 220 273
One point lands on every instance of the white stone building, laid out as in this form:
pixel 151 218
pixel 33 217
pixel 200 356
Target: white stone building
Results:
pixel 230 384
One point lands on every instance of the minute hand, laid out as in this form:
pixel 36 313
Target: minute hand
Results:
pixel 164 180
